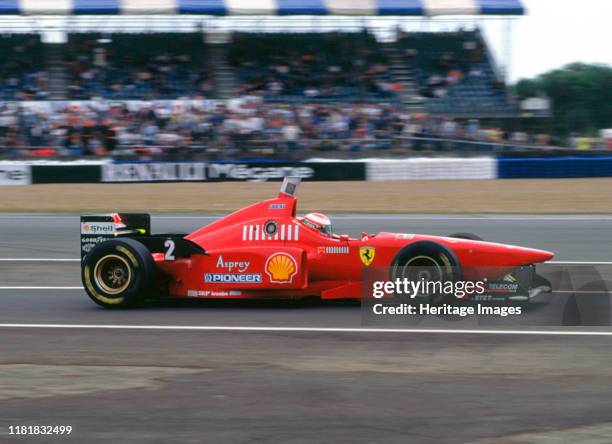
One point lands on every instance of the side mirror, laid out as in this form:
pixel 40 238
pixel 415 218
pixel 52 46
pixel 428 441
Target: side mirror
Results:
pixel 344 237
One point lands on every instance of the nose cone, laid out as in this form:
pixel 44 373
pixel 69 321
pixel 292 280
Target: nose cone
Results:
pixel 533 256
pixel 492 254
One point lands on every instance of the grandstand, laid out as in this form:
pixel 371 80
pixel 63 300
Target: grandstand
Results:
pixel 136 66
pixel 281 67
pixel 23 74
pixel 347 67
pixel 344 90
pixel 456 72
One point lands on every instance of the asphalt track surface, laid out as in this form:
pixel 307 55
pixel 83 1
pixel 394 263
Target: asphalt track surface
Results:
pixel 249 379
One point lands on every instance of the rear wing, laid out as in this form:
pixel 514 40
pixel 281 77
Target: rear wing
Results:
pixel 97 228
pixel 290 186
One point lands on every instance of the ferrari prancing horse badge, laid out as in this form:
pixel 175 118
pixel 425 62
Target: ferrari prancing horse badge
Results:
pixel 366 254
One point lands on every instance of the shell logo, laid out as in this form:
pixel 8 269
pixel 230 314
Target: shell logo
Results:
pixel 281 268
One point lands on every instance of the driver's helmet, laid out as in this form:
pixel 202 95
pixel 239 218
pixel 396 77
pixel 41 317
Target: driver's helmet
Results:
pixel 319 222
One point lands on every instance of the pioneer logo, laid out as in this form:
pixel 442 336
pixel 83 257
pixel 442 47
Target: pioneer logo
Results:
pixel 232 278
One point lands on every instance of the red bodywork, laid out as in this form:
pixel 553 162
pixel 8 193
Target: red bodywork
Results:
pixel 243 261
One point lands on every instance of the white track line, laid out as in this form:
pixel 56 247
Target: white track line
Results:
pixel 476 217
pixel 36 259
pixel 39 288
pixel 365 216
pixel 417 217
pixel 82 288
pixel 579 263
pixel 41 259
pixel 310 329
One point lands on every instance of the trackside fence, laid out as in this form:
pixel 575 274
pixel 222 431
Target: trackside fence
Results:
pixel 416 168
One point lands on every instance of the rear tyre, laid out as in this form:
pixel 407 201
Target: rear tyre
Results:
pixel 428 261
pixel 118 273
pixel 469 236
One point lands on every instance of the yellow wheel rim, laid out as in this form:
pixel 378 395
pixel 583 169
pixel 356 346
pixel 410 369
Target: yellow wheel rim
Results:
pixel 112 274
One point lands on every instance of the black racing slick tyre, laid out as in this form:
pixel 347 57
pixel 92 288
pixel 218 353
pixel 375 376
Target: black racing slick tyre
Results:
pixel 118 273
pixel 428 261
pixel 468 236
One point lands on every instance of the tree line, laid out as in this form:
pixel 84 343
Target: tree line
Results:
pixel 580 97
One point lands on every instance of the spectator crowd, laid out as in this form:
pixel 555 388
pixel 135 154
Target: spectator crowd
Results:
pixel 455 72
pixel 232 128
pixel 129 66
pixel 450 72
pixel 345 66
pixel 295 95
pixel 23 74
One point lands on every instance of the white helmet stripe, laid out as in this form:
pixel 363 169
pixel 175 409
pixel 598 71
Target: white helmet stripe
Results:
pixel 318 219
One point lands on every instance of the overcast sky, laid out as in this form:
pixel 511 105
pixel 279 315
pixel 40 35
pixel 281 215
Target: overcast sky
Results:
pixel 557 32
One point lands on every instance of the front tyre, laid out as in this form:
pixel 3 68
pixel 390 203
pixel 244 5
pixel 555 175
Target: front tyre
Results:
pixel 429 262
pixel 118 273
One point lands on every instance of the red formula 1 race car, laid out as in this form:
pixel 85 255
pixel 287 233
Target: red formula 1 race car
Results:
pixel 267 251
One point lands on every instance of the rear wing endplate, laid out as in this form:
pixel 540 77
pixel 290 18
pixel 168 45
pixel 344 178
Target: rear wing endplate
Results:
pixel 97 228
pixel 290 186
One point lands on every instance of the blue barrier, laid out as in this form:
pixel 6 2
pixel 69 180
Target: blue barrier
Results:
pixel 553 167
